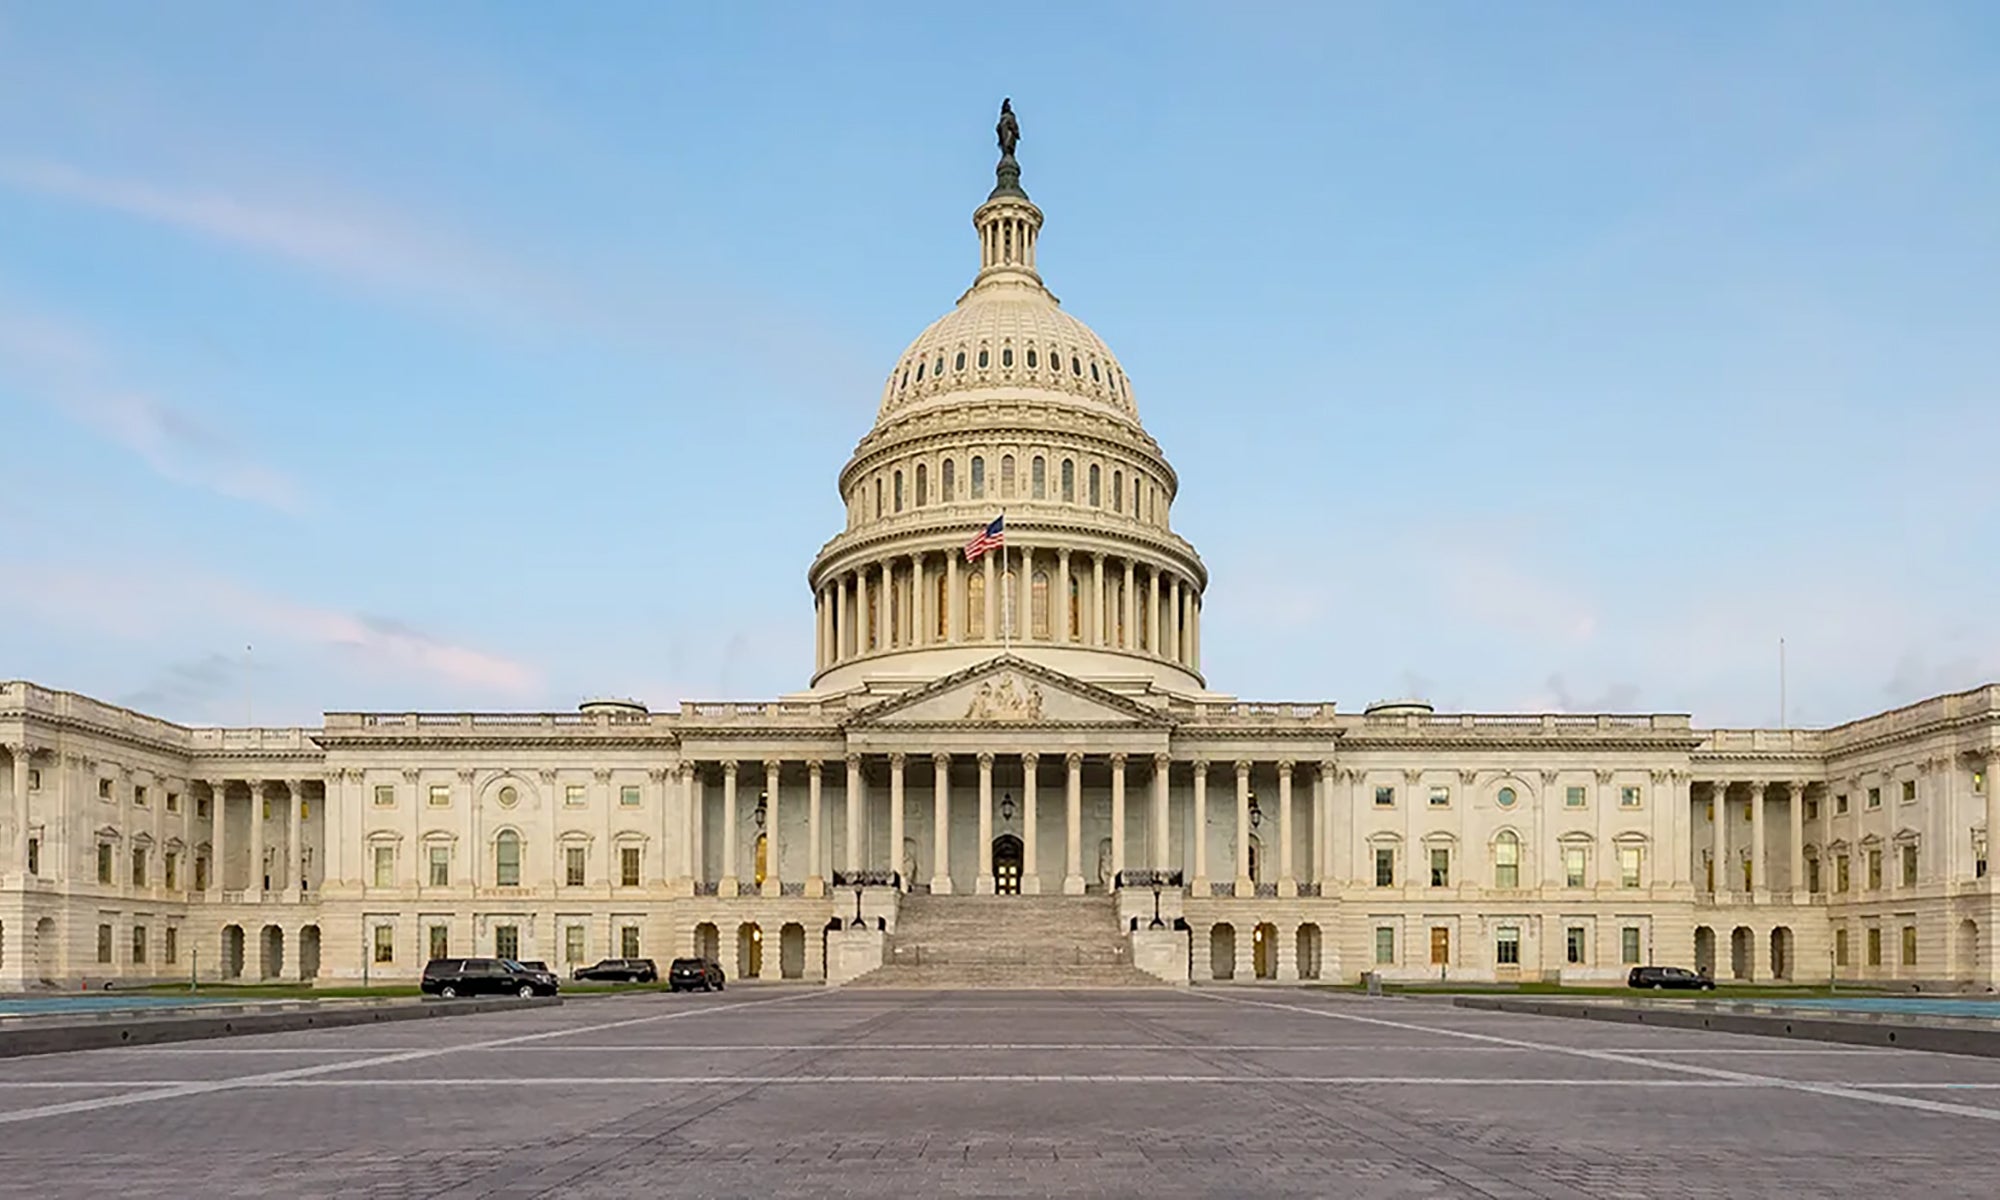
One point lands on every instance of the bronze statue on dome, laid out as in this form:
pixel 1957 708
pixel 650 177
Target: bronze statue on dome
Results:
pixel 1008 130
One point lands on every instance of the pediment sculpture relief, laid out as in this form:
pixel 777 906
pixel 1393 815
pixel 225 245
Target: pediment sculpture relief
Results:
pixel 1005 699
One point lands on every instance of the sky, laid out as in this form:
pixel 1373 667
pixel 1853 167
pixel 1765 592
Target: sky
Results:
pixel 502 355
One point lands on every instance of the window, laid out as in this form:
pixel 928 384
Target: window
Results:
pixel 1910 865
pixel 628 866
pixel 1069 482
pixel 104 862
pixel 923 484
pixel 1842 877
pixel 1574 861
pixel 1038 483
pixel 1505 798
pixel 1440 945
pixel 440 940
pixel 1874 870
pixel 878 497
pixel 440 795
pixel 573 796
pixel 1629 858
pixel 1978 782
pixel 200 874
pixel 34 779
pixel 440 866
pixel 573 865
pixel 139 795
pixel 1874 946
pixel 1628 945
pixel 1575 943
pixel 1628 797
pixel 1385 944
pixel 1032 357
pixel 628 941
pixel 507 941
pixel 138 944
pixel 170 946
pixel 1840 804
pixel 1507 861
pixel 948 481
pixel 1909 791
pixel 1440 797
pixel 104 943
pixel 958 362
pixel 1573 797
pixel 385 943
pixel 507 859
pixel 1440 867
pixel 1909 945
pixel 385 866
pixel 628 796
pixel 1385 866
pixel 1812 810
pixel 1038 605
pixel 1507 946
pixel 573 946
pixel 975 606
pixel 265 806
pixel 1840 947
pixel 104 793
pixel 1385 797
pixel 173 802
pixel 898 487
pixel 1812 875
pixel 1006 477
pixel 385 795
pixel 978 477
pixel 138 867
pixel 1874 797
pixel 34 856
pixel 1096 490
pixel 1118 491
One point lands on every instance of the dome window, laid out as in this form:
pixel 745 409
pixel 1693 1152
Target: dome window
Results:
pixel 948 481
pixel 982 358
pixel 958 364
pixel 1038 478
pixel 905 380
pixel 1076 366
pixel 898 498
pixel 1096 496
pixel 1118 491
pixel 923 485
pixel 978 477
pixel 939 369
pixel 1031 358
pixel 1093 372
pixel 1069 481
pixel 920 372
pixel 1007 356
pixel 1006 477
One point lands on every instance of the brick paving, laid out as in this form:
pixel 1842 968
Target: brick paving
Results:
pixel 776 1093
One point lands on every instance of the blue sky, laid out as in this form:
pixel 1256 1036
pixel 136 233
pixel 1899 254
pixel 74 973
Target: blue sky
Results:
pixel 500 355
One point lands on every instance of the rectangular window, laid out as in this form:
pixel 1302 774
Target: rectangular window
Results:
pixel 104 862
pixel 139 795
pixel 305 810
pixel 1440 867
pixel 1629 858
pixel 385 943
pixel 170 948
pixel 440 794
pixel 1909 945
pixel 385 866
pixel 104 793
pixel 201 807
pixel 34 779
pixel 1812 810
pixel 1840 947
pixel 104 943
pixel 34 856
pixel 1507 946
pixel 1440 797
pixel 1385 797
pixel 138 868
pixel 1840 804
pixel 573 796
pixel 173 802
pixel 1874 870
pixel 1812 875
pixel 385 795
pixel 573 865
pixel 1843 878
pixel 440 866
pixel 266 807
pixel 1628 797
pixel 1978 783
pixel 1573 797
pixel 1575 943
pixel 628 866
pixel 1628 945
pixel 1440 945
pixel 1909 791
pixel 507 860
pixel 1874 797
pixel 1385 867
pixel 1874 947
pixel 200 874
pixel 171 865
pixel 628 941
pixel 1507 862
pixel 138 944
pixel 507 941
pixel 1910 865
pixel 1574 862
pixel 628 796
pixel 573 947
pixel 440 940
pixel 1385 944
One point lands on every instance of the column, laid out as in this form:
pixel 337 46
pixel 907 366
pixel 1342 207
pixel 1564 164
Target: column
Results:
pixel 1288 884
pixel 686 838
pixel 941 824
pixel 896 820
pixel 18 862
pixel 219 836
pixel 1162 774
pixel 1992 819
pixel 697 824
pixel 864 624
pixel 843 620
pixel 1797 815
pixel 954 627
pixel 1174 622
pixel 295 876
pixel 1097 623
pixel 1245 886
pixel 1201 828
pixel 815 843
pixel 819 629
pixel 1031 879
pixel 984 885
pixel 254 887
pixel 1757 881
pixel 1117 817
pixel 1129 611
pixel 1154 646
pixel 852 801
pixel 913 621
pixel 729 884
pixel 774 854
pixel 1061 598
pixel 1194 632
pixel 1323 835
pixel 1073 866
pixel 1725 880
pixel 992 597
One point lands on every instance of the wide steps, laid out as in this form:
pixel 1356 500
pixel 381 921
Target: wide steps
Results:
pixel 1007 942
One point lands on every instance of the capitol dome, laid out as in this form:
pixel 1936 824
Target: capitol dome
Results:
pixel 1009 407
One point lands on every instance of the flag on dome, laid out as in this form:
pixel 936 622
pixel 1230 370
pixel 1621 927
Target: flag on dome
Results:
pixel 990 537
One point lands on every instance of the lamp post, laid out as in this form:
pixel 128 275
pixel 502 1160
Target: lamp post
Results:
pixel 1157 923
pixel 857 903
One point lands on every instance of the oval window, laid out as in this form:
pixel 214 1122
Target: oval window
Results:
pixel 1007 357
pixel 982 358
pixel 1093 372
pixel 958 364
pixel 1031 358
pixel 509 797
pixel 920 372
pixel 939 369
pixel 1075 365
pixel 1506 797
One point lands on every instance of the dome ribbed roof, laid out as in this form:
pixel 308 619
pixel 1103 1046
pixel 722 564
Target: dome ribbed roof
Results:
pixel 1008 335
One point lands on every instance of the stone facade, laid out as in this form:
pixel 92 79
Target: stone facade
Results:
pixel 1035 720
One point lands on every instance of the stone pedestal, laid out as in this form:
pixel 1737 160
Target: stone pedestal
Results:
pixel 852 953
pixel 1162 953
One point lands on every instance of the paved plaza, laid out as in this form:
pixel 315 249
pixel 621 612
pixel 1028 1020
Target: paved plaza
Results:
pixel 810 1092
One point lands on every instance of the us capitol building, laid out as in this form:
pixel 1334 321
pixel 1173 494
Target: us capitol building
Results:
pixel 1011 769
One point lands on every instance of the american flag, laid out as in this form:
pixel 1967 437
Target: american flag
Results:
pixel 990 537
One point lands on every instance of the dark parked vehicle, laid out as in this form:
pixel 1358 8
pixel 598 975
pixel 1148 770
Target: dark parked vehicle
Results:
pixel 1668 977
pixel 690 974
pixel 448 978
pixel 621 970
pixel 536 964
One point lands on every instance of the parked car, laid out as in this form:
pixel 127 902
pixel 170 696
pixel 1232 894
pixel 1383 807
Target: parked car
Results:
pixel 540 968
pixel 689 974
pixel 536 964
pixel 448 978
pixel 1668 977
pixel 621 970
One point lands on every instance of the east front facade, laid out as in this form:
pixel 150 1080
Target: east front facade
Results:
pixel 1021 743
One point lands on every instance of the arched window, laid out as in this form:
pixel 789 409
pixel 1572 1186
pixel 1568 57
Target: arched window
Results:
pixel 1076 366
pixel 1118 491
pixel 1069 481
pixel 895 609
pixel 1038 478
pixel 943 605
pixel 923 485
pixel 1038 600
pixel 507 859
pixel 1010 605
pixel 1007 356
pixel 982 358
pixel 878 497
pixel 978 477
pixel 1075 609
pixel 939 368
pixel 975 606
pixel 899 490
pixel 920 372
pixel 958 364
pixel 948 481
pixel 1031 358
pixel 1093 372
pixel 1115 599
pixel 1006 477
pixel 1095 494
pixel 1507 860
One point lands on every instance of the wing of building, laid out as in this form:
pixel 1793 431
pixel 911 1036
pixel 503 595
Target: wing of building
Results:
pixel 1004 769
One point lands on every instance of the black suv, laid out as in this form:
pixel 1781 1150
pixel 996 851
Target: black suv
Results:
pixel 449 978
pixel 621 970
pixel 1668 977
pixel 687 974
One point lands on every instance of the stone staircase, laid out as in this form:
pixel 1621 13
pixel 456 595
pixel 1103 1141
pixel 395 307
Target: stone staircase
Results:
pixel 1007 942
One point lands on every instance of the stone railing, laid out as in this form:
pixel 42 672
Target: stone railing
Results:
pixel 1148 879
pixel 868 878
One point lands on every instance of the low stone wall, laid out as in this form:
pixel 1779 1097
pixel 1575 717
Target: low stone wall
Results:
pixel 1855 1030
pixel 61 1033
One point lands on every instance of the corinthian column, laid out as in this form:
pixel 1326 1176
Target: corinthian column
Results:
pixel 729 885
pixel 1201 827
pixel 1161 775
pixel 1117 817
pixel 896 820
pixel 852 801
pixel 1031 880
pixel 941 825
pixel 1245 886
pixel 984 885
pixel 1073 864
pixel 815 844
pixel 1288 884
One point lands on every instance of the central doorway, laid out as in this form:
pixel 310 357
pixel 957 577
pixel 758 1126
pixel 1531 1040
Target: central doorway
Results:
pixel 1007 865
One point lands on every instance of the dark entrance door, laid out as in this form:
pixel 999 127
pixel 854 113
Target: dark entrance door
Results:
pixel 1007 865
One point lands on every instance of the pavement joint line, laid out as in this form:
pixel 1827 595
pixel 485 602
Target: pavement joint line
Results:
pixel 1835 1090
pixel 602 1081
pixel 871 1047
pixel 209 1086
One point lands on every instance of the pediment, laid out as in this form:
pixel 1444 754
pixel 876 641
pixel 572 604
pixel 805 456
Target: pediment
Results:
pixel 1009 691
